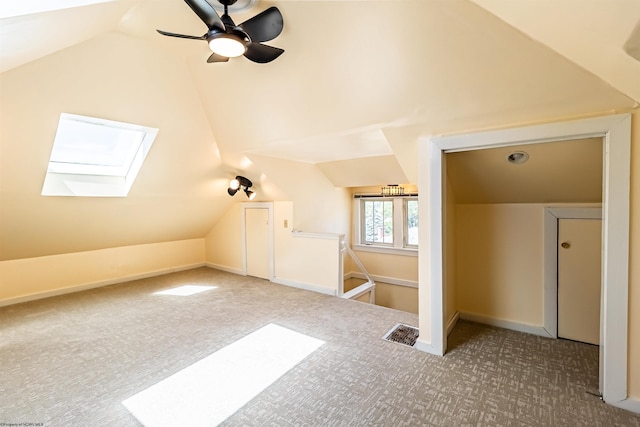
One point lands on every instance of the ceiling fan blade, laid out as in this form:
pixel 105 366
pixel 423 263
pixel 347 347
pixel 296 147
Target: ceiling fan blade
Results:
pixel 217 58
pixel 261 53
pixel 265 26
pixel 182 36
pixel 206 12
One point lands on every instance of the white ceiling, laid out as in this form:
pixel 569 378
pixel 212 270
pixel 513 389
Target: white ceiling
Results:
pixel 359 83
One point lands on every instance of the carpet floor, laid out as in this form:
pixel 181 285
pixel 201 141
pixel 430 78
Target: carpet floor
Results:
pixel 73 360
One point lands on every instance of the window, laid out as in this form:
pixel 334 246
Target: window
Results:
pixel 386 223
pixel 411 222
pixel 377 222
pixel 95 157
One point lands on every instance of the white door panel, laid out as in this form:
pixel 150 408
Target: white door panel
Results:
pixel 579 279
pixel 257 242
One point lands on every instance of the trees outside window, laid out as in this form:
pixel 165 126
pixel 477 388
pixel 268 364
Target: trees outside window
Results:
pixel 389 222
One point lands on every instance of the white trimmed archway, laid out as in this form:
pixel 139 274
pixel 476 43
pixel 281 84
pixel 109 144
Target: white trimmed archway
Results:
pixel 616 133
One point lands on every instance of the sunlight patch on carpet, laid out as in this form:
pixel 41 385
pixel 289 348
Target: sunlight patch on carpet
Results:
pixel 212 389
pixel 185 290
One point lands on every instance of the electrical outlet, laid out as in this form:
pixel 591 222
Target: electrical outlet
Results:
pixel 286 223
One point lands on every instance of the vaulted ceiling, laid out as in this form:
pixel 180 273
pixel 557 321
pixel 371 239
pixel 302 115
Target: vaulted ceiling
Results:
pixel 358 84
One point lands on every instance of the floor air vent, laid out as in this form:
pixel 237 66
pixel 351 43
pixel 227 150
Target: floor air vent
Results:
pixel 403 334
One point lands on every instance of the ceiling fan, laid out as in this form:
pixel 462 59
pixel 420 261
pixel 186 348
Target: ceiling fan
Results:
pixel 228 40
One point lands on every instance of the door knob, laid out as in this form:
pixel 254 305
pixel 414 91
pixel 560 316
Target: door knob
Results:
pixel 565 245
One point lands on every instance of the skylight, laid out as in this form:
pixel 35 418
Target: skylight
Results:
pixel 94 157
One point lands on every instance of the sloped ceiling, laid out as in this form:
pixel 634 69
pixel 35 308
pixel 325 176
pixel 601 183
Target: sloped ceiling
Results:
pixel 556 172
pixel 359 80
pixel 591 33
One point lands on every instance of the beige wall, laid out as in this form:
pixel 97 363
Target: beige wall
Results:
pixel 29 278
pixel 397 297
pixel 223 247
pixel 299 259
pixel 318 206
pixel 499 264
pixel 500 261
pixel 310 260
pixel 401 267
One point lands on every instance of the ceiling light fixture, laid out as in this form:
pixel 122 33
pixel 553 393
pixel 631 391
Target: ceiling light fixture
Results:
pixel 229 45
pixel 241 183
pixel 518 157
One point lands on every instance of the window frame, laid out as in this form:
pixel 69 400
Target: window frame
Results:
pixel 405 225
pixel 400 225
pixel 363 224
pixel 69 174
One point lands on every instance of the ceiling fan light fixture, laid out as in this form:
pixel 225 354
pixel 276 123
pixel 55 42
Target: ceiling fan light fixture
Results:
pixel 228 40
pixel 228 45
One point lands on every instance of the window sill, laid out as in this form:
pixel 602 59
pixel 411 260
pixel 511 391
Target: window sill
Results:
pixel 385 250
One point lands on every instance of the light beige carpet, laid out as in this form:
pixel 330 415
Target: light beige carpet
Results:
pixel 73 360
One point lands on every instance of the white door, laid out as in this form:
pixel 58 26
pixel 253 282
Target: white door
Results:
pixel 257 241
pixel 579 279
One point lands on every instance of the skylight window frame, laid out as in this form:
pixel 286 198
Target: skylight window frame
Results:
pixel 88 179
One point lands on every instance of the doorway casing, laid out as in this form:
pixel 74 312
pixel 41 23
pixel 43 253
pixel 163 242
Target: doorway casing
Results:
pixel 616 133
pixel 551 217
pixel 243 235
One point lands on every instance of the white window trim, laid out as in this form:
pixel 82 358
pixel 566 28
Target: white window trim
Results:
pixel 399 246
pixel 58 183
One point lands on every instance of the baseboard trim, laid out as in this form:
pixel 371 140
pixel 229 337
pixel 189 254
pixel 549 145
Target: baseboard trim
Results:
pixel 305 286
pixel 426 347
pixel 629 404
pixel 383 279
pixel 228 269
pixel 93 285
pixel 452 322
pixel 505 324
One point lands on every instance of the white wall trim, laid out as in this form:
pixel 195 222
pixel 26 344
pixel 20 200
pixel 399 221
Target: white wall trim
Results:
pixel 505 324
pixel 243 234
pixel 361 290
pixel 305 286
pixel 309 235
pixel 99 284
pixel 551 216
pixel 616 133
pixel 630 404
pixel 383 279
pixel 234 270
pixel 426 347
pixel 453 322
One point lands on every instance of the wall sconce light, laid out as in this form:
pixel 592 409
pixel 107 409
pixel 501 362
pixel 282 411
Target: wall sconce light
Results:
pixel 241 183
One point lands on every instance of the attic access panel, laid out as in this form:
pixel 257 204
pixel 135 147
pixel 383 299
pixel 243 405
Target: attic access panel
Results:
pixel 94 157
